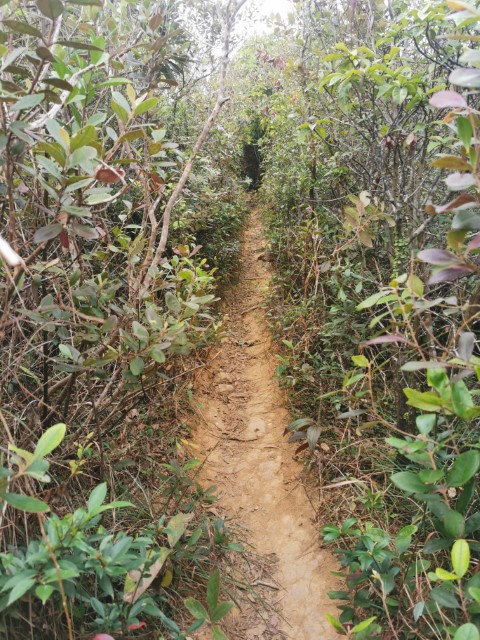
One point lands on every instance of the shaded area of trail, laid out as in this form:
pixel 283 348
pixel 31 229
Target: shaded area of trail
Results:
pixel 242 419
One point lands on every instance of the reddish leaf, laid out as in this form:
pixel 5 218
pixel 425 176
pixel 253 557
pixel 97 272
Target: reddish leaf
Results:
pixel 464 200
pixel 195 250
pixel 437 257
pixel 103 636
pixel 158 182
pixel 448 99
pixel 391 337
pixel 109 175
pixel 450 274
pixel 474 243
pixel 301 448
pixel 64 239
pixel 134 627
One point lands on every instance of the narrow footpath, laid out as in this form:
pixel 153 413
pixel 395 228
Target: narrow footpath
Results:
pixel 241 418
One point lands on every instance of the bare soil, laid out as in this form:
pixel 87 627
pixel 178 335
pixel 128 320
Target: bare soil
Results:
pixel 241 417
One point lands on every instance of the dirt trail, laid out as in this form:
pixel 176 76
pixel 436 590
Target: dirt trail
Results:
pixel 243 415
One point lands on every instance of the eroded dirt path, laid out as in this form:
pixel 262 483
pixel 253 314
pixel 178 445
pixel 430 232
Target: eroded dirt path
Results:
pixel 242 418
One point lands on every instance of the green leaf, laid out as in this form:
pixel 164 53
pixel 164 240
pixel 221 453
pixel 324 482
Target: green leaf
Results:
pixel 173 303
pixel 445 575
pixel 399 94
pixel 97 497
pixel 336 624
pixel 360 361
pixel 426 422
pixel 467 631
pixel 438 379
pixel 445 598
pixel 121 114
pixel 44 591
pixel 461 398
pixel 81 157
pixel 409 481
pixel 361 626
pixel 372 300
pixel 157 354
pixel 196 609
pixel 453 523
pixel 403 538
pixel 217 634
pixel 20 590
pixel 50 440
pixel 144 106
pixel 83 137
pixel 460 557
pixel 137 365
pixel 139 331
pixel 464 467
pixel 51 8
pixel 26 503
pixel 121 101
pixel 26 455
pixel 22 27
pixel 426 401
pixel 28 102
pixel 465 131
pixel 475 593
pixel 213 590
pixel 418 610
pixel 76 44
pixel 221 611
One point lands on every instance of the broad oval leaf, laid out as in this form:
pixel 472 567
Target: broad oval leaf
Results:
pixel 22 27
pixel 437 257
pixel 48 232
pixel 448 100
pixel 28 102
pixel 468 77
pixel 460 556
pixel 457 181
pixel 50 440
pixel 445 598
pixel 449 275
pixel 409 481
pixel 464 467
pixel 109 175
pixel 467 631
pixel 137 365
pixel 361 626
pixel 85 231
pixel 144 106
pixel 26 503
pixel 52 9
pixel 97 497
pixel 196 609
